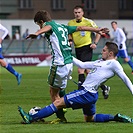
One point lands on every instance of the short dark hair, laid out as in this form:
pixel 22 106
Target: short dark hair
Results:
pixel 78 6
pixel 42 15
pixel 113 22
pixel 112 47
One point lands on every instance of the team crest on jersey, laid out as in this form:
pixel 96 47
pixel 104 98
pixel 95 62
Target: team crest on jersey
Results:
pixel 93 70
pixel 108 63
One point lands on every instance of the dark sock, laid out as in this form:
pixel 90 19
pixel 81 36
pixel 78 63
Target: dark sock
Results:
pixel 102 87
pixel 60 112
pixel 62 93
pixel 81 79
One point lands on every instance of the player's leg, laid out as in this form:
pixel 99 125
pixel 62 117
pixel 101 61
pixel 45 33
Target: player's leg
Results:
pixel 130 63
pixel 60 113
pixel 54 93
pixel 105 90
pixel 108 117
pixel 53 80
pixel 124 55
pixel 75 100
pixel 84 54
pixel 81 77
pixel 67 71
pixel 58 79
pixel 44 112
pixel 52 108
pixel 72 100
pixel 90 116
pixel 10 68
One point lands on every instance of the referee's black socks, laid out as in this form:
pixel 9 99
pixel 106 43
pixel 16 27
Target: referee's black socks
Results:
pixel 81 79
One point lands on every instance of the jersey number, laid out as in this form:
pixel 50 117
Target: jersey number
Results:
pixel 64 38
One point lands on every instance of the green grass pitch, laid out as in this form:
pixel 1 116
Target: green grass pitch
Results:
pixel 34 91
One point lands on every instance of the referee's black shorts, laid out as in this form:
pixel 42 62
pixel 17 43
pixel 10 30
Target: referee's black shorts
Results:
pixel 84 53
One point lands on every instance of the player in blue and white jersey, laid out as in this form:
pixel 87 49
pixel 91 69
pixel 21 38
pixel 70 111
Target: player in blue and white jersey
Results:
pixel 87 96
pixel 3 34
pixel 61 69
pixel 120 40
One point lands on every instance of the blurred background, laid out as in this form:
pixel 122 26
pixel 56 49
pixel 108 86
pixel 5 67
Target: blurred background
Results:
pixel 17 16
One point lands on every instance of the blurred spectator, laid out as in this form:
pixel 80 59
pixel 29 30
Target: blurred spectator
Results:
pixel 26 33
pixel 16 35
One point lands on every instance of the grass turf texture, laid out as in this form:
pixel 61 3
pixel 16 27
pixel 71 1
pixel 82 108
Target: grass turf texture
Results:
pixel 34 91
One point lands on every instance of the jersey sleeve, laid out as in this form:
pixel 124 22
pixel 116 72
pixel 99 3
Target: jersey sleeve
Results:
pixel 84 65
pixel 4 30
pixel 122 35
pixel 71 29
pixel 119 71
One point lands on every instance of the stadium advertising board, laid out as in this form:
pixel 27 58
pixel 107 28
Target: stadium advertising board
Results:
pixel 29 60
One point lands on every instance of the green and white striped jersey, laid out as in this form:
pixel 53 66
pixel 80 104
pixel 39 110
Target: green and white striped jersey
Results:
pixel 58 41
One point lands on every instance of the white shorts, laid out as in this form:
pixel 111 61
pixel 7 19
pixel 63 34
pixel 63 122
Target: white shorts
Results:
pixel 59 75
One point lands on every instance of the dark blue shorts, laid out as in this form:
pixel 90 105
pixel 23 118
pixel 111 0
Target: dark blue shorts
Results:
pixel 1 56
pixel 82 99
pixel 122 53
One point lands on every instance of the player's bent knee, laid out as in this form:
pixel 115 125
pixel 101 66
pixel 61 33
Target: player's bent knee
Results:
pixel 2 63
pixel 59 103
pixel 126 59
pixel 89 118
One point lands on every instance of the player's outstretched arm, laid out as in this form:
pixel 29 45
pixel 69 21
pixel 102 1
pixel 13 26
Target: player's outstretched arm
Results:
pixel 84 65
pixel 32 36
pixel 92 29
pixel 126 80
pixel 117 68
pixel 41 31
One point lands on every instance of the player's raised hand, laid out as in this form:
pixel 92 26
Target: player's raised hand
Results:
pixel 32 36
